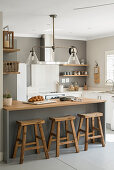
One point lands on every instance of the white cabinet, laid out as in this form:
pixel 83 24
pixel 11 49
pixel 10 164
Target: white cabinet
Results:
pixel 76 94
pixel 90 95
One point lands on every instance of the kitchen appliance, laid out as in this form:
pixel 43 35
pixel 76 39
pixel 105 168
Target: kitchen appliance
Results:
pixel 54 96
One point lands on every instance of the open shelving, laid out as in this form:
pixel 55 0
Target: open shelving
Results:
pixel 74 65
pixel 11 72
pixel 74 75
pixel 10 50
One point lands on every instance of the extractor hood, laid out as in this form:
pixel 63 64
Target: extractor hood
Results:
pixel 47 55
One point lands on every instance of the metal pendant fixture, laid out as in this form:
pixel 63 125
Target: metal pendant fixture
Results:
pixel 53 16
pixel 32 59
pixel 73 59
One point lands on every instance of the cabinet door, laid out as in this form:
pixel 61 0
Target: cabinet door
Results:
pixel 91 95
pixel 108 108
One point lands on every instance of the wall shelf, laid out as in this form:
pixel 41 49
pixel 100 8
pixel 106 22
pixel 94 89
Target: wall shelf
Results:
pixel 11 72
pixel 75 65
pixel 10 50
pixel 74 75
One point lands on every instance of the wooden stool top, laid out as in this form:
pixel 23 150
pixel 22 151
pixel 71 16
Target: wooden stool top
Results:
pixel 90 115
pixel 30 122
pixel 59 119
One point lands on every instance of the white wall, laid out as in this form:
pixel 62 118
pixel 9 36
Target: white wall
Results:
pixel 95 50
pixel 1 87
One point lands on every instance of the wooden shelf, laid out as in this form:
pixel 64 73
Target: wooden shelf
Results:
pixel 11 72
pixel 10 50
pixel 74 75
pixel 75 65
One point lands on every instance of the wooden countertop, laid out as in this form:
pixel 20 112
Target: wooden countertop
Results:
pixel 17 105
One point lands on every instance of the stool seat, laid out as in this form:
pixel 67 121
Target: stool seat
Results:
pixel 30 122
pixel 64 118
pixel 90 115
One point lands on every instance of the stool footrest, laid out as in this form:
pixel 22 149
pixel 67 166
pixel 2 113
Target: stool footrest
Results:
pixel 27 144
pixel 83 134
pixel 33 148
pixel 66 142
pixel 95 137
pixel 63 138
pixel 69 132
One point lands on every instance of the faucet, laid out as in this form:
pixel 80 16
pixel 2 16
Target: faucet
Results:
pixel 112 83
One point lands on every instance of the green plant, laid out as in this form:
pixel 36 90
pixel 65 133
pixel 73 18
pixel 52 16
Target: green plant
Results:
pixel 7 95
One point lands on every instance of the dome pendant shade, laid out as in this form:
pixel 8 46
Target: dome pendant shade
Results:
pixel 73 59
pixel 32 59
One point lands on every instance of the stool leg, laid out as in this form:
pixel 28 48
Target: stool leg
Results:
pixel 67 134
pixel 17 141
pixel 86 134
pixel 80 125
pixel 101 132
pixel 93 131
pixel 23 144
pixel 50 137
pixel 74 135
pixel 58 139
pixel 36 137
pixel 43 141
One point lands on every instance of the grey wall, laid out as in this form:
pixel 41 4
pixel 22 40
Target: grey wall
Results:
pixel 62 54
pixel 1 86
pixel 96 51
pixel 25 44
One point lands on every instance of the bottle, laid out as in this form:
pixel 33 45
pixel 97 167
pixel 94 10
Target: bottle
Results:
pixel 76 86
pixel 85 86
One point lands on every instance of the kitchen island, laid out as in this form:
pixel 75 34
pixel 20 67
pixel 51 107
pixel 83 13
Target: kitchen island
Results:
pixel 20 111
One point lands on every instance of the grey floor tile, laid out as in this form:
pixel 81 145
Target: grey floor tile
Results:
pixel 50 164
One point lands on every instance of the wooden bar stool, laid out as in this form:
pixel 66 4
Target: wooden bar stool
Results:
pixel 57 136
pixel 86 132
pixel 34 145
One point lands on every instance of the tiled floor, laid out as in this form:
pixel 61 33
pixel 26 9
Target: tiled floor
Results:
pixel 96 158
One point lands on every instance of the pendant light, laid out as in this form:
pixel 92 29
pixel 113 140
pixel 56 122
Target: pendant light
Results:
pixel 73 59
pixel 32 59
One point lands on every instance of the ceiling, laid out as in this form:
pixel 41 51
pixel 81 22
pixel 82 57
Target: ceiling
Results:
pixel 31 18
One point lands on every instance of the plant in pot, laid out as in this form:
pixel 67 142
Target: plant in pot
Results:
pixel 7 99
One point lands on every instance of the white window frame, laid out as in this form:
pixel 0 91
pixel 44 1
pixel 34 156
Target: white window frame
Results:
pixel 107 53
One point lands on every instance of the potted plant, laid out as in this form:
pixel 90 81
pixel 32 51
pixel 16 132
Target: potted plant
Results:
pixel 7 99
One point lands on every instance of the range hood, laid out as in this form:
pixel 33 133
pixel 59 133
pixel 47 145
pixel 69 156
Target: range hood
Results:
pixel 47 55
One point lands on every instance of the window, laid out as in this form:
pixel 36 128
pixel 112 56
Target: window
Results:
pixel 109 65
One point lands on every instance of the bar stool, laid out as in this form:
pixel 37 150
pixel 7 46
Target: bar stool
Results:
pixel 57 135
pixel 86 132
pixel 36 123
